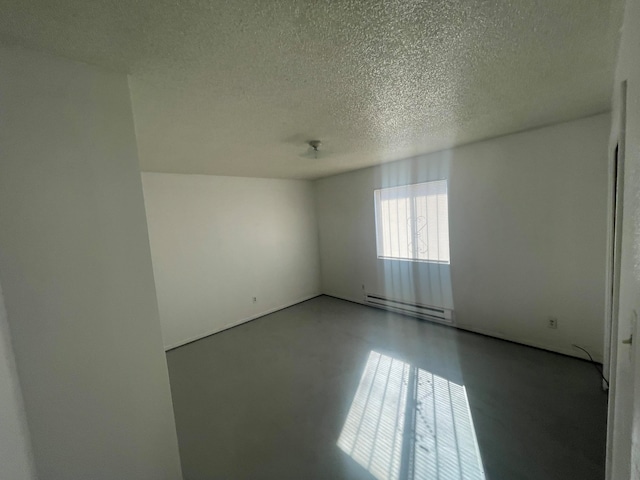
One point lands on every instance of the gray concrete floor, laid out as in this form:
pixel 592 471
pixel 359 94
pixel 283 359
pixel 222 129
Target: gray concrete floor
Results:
pixel 329 389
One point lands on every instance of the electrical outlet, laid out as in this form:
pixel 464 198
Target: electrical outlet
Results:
pixel 552 322
pixel 255 299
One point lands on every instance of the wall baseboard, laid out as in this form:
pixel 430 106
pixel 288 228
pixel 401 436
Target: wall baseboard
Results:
pixel 569 352
pixel 473 329
pixel 240 322
pixel 469 328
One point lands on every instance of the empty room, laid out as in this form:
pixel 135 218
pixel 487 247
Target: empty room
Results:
pixel 296 239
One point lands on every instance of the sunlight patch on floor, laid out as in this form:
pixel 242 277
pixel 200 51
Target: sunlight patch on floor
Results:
pixel 406 423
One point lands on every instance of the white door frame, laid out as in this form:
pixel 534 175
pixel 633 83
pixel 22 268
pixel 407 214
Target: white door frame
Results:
pixel 612 284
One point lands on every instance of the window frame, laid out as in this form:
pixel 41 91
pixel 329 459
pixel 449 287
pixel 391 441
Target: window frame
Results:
pixel 378 224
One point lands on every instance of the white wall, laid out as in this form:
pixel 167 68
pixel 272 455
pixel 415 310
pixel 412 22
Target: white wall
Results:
pixel 76 271
pixel 15 447
pixel 527 235
pixel 217 242
pixel 623 452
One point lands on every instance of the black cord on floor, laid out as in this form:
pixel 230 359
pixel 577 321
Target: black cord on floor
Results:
pixel 595 364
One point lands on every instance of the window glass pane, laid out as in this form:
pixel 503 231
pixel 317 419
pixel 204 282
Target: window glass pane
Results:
pixel 412 222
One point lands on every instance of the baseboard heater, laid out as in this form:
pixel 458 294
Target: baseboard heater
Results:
pixel 428 312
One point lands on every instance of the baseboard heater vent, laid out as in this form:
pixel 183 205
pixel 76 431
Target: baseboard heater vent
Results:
pixel 428 312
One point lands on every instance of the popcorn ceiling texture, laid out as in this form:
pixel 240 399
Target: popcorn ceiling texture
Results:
pixel 236 87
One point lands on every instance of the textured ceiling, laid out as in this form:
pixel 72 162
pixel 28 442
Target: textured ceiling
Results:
pixel 236 87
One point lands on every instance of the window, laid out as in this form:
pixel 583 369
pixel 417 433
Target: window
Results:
pixel 412 222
